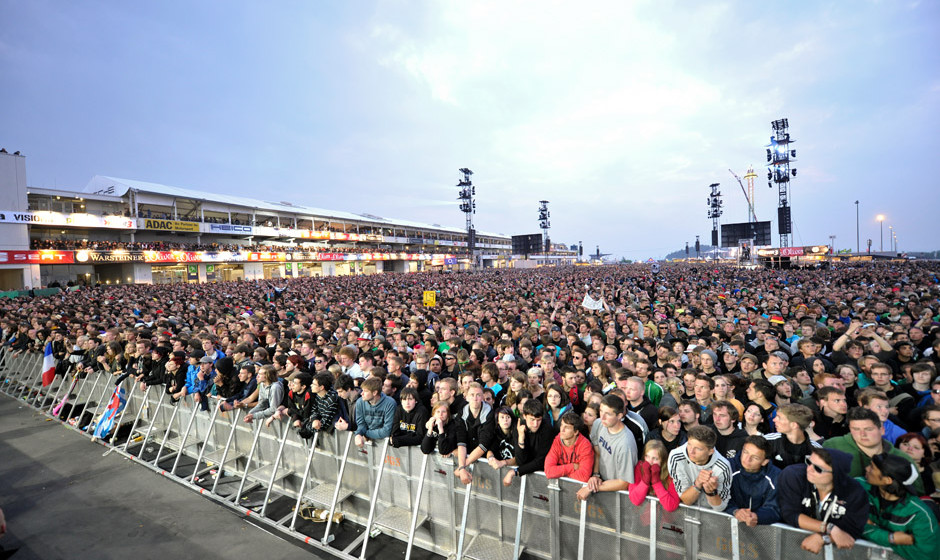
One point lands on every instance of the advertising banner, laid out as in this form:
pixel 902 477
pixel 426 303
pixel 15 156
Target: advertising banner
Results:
pixel 168 225
pixel 81 220
pixel 36 257
pixel 123 256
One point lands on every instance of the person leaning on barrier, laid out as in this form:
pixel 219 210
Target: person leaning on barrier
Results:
pixel 156 375
pixel 324 408
pixel 175 377
pixel 702 477
pixel 615 451
pixel 348 395
pixel 503 451
pixel 199 377
pixel 270 395
pixel 442 432
pixel 651 477
pixel 375 413
pixel 479 431
pixel 753 498
pixel 571 454
pixel 822 498
pixel 410 420
pixel 533 442
pixel 897 517
pixel 299 400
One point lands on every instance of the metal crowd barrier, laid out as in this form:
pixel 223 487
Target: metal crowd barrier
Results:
pixel 271 475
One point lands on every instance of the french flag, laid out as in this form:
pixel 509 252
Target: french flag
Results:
pixel 48 366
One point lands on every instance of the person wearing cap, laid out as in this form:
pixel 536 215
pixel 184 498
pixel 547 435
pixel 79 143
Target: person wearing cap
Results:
pixel 708 361
pixel 199 377
pixel 821 497
pixel 897 518
pixel 749 364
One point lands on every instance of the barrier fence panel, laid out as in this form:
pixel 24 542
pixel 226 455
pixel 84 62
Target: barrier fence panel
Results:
pixel 395 490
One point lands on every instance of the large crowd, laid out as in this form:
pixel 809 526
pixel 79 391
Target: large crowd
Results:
pixel 62 244
pixel 809 397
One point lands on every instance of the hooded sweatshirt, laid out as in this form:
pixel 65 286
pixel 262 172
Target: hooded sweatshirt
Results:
pixel 846 506
pixel 409 426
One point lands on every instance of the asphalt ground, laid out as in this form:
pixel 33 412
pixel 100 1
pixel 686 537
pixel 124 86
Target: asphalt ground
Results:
pixel 64 500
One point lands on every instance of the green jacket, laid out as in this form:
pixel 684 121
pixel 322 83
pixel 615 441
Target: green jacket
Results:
pixel 860 461
pixel 908 515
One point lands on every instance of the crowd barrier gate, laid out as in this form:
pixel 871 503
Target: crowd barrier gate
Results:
pixel 399 491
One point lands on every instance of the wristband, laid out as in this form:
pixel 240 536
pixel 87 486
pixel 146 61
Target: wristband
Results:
pixel 829 528
pixel 711 494
pixel 827 539
pixel 891 537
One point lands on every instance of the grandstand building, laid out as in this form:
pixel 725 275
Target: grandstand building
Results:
pixel 118 231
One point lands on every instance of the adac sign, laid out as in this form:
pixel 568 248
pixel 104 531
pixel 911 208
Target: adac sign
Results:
pixel 170 225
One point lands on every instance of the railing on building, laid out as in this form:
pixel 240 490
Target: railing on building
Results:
pixel 400 492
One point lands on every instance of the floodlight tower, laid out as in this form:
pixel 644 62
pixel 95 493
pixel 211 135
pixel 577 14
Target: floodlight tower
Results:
pixel 544 224
pixel 714 212
pixel 469 207
pixel 750 176
pixel 779 157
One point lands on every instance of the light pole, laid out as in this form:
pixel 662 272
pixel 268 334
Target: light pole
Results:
pixel 881 221
pixel 858 245
pixel 891 237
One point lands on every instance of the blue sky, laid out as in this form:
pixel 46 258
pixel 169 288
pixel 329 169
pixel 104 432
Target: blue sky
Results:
pixel 619 113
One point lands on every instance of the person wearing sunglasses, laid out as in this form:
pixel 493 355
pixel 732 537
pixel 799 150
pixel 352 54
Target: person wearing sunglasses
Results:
pixel 820 497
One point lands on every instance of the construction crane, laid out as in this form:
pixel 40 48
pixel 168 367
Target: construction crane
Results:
pixel 748 192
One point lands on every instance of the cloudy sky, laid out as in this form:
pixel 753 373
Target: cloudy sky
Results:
pixel 619 113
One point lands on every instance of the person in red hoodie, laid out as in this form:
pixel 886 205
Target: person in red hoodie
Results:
pixel 651 476
pixel 571 454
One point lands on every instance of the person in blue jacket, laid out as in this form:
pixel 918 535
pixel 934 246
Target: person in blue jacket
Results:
pixel 754 484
